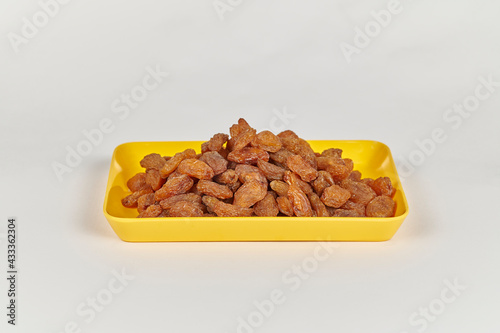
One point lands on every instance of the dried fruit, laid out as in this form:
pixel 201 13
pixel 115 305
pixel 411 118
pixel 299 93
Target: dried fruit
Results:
pixel 196 168
pixel 280 156
pixel 302 168
pixel 228 210
pixel 248 155
pixel 300 202
pixel 267 141
pixel 318 206
pixel 285 205
pixel 215 161
pixel 280 187
pixel 250 193
pixel 355 175
pixel 244 138
pixel 359 192
pixel 137 182
pixel 335 196
pixel 357 206
pixel 216 143
pixel 241 126
pixel 383 186
pixel 346 213
pixel 381 206
pixel 271 171
pixel 145 201
pixel 174 186
pixel 185 209
pixel 154 179
pixel 267 206
pixel 151 211
pixel 169 202
pixel 323 181
pixel 153 161
pixel 292 178
pixel 332 152
pixel 298 146
pixel 260 174
pixel 213 189
pixel 174 162
pixel 130 201
pixel 247 173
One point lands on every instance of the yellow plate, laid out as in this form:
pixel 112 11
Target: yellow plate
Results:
pixel 372 158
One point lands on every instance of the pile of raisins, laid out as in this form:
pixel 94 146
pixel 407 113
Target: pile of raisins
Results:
pixel 257 174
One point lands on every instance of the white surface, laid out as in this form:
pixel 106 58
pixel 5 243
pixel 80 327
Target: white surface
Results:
pixel 263 57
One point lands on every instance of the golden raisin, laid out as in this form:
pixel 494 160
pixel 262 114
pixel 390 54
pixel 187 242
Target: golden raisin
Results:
pixel 169 202
pixel 271 171
pixel 298 165
pixel 151 211
pixel 359 192
pixel 335 196
pixel 174 186
pixel 280 187
pixel 244 138
pixel 267 206
pixel 137 182
pixel 153 179
pixel 383 186
pixel 185 209
pixel 174 162
pixel 153 161
pixel 145 201
pixel 213 189
pixel 250 193
pixel 130 201
pixel 215 161
pixel 318 206
pixel 248 155
pixel 300 202
pixel 285 205
pixel 228 210
pixel 196 168
pixel 381 206
pixel 247 172
pixel 267 141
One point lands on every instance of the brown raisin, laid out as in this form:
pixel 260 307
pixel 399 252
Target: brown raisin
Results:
pixel 227 177
pixel 267 141
pixel 280 187
pixel 213 189
pixel 145 201
pixel 298 146
pixel 241 126
pixel 300 202
pixel 271 171
pixel 355 175
pixel 130 201
pixel 323 181
pixel 174 162
pixel 247 172
pixel 357 206
pixel 151 211
pixel 280 156
pixel 359 192
pixel 169 202
pixel 267 206
pixel 185 209
pixel 285 205
pixel 174 186
pixel 335 196
pixel 196 168
pixel 228 210
pixel 292 178
pixel 215 161
pixel 137 182
pixel 250 193
pixel 346 213
pixel 332 152
pixel 153 161
pixel 298 165
pixel 383 186
pixel 244 138
pixel 381 206
pixel 153 179
pixel 216 143
pixel 318 206
pixel 248 155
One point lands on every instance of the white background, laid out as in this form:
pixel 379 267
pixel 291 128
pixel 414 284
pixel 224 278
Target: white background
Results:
pixel 263 57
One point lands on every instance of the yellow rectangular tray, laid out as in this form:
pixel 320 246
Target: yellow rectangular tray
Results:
pixel 372 158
